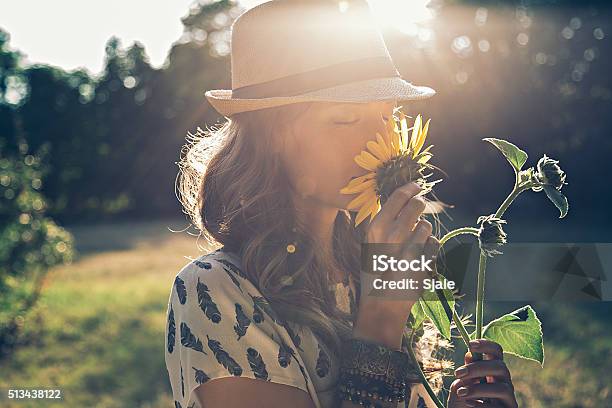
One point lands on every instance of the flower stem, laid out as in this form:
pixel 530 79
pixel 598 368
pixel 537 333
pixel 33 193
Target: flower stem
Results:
pixel 451 234
pixel 458 231
pixel 515 192
pixel 464 334
pixel 426 384
pixel 482 263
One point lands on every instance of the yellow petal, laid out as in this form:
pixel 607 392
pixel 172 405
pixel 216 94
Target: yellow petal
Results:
pixel 358 188
pixel 427 148
pixel 378 151
pixel 416 129
pixel 361 199
pixel 396 145
pixel 422 137
pixel 370 157
pixel 361 162
pixel 425 158
pixel 361 215
pixel 404 126
pixel 392 136
pixel 375 209
pixel 383 144
pixel 357 181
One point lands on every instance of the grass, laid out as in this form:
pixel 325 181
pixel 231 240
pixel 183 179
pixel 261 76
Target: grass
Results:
pixel 97 333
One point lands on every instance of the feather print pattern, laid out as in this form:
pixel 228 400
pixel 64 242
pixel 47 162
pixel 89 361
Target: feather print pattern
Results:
pixel 223 357
pixel 202 264
pixel 322 362
pixel 200 376
pixel 257 364
pixel 199 349
pixel 262 304
pixel 171 330
pixel 285 353
pixel 242 322
pixel 207 305
pixel 182 383
pixel 258 316
pixel 181 291
pixel 233 278
pixel 294 336
pixel 188 339
pixel 232 267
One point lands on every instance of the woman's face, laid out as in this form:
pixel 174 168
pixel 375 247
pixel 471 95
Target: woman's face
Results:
pixel 319 151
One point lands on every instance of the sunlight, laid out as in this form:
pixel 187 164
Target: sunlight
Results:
pixel 402 14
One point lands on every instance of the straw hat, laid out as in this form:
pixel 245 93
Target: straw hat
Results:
pixel 288 51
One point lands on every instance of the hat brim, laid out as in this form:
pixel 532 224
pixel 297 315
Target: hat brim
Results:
pixel 371 90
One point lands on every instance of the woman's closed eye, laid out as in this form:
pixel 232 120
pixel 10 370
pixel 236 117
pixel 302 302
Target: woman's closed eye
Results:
pixel 346 121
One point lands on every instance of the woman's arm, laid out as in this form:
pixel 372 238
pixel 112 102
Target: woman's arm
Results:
pixel 240 392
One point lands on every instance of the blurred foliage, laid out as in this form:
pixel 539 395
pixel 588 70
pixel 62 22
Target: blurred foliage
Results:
pixel 113 140
pixel 30 242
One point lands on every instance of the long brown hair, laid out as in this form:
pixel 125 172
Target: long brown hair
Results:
pixel 235 189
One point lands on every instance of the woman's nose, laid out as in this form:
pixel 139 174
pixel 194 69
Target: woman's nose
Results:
pixel 379 122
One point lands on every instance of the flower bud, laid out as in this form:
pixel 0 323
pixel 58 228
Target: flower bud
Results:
pixel 550 173
pixel 491 234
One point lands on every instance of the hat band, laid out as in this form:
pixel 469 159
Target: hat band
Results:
pixel 326 77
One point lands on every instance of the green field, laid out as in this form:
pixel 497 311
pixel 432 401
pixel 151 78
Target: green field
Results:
pixel 97 333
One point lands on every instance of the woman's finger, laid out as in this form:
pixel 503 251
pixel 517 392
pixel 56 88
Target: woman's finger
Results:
pixel 493 349
pixel 406 221
pixel 415 244
pixel 421 233
pixel 502 391
pixel 483 404
pixel 397 200
pixel 432 247
pixel 481 368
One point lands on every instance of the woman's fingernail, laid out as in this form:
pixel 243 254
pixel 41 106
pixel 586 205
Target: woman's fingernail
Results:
pixel 462 392
pixel 475 343
pixel 461 371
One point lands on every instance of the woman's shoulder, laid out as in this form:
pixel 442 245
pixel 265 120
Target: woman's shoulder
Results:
pixel 217 278
pixel 214 269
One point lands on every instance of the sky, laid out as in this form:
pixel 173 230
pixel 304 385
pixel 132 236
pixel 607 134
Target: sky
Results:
pixel 72 33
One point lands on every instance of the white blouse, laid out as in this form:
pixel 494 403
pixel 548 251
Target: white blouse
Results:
pixel 219 325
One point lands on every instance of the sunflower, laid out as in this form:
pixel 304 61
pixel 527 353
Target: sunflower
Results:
pixel 392 160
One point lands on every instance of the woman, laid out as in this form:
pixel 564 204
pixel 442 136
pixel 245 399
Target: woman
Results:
pixel 269 319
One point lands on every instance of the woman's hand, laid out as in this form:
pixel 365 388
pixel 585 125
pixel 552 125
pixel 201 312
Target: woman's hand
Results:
pixel 383 319
pixel 466 390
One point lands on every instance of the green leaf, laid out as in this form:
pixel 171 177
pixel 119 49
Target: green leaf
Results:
pixel 435 310
pixel 418 315
pixel 519 333
pixel 558 199
pixel 515 156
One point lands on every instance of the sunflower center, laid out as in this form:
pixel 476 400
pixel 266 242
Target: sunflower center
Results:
pixel 396 172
